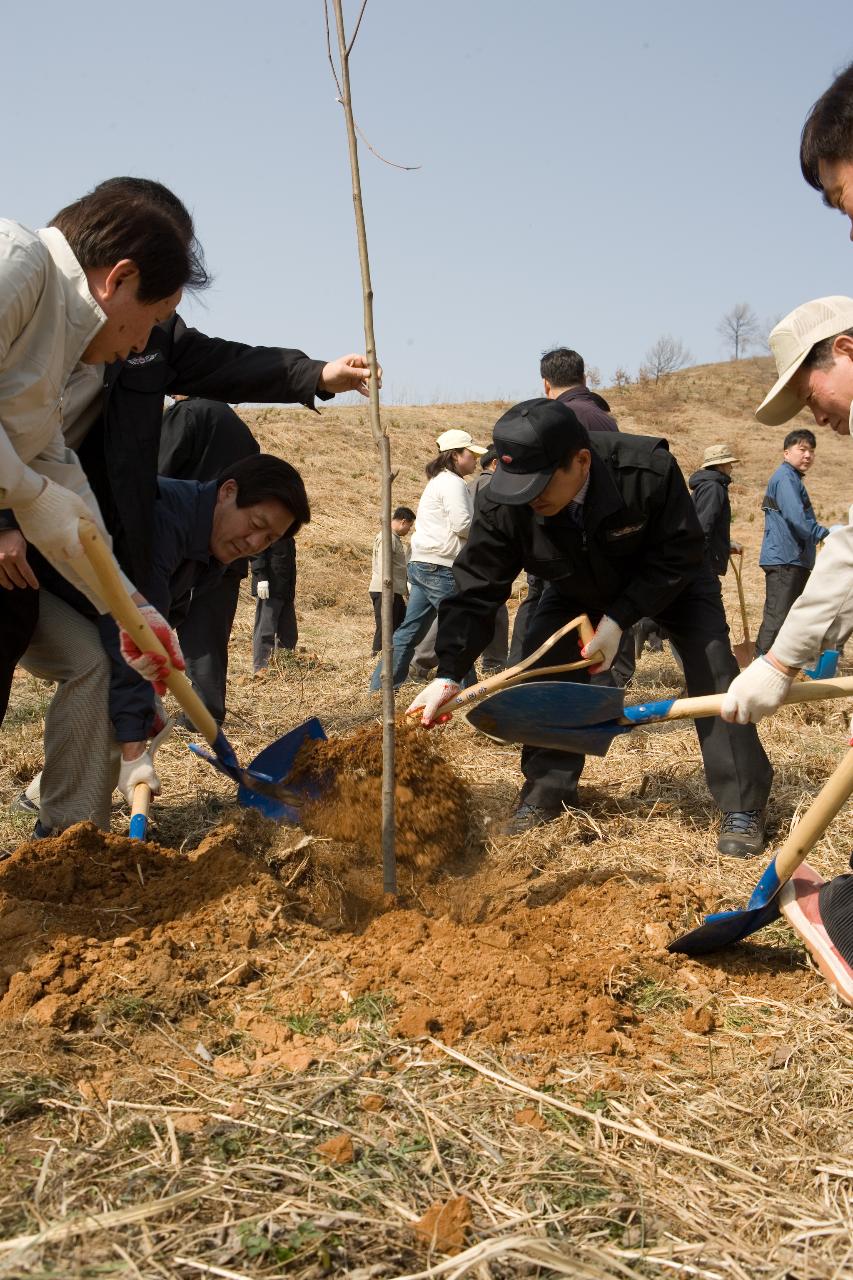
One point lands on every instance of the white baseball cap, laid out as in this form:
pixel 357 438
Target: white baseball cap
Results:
pixel 790 342
pixel 456 439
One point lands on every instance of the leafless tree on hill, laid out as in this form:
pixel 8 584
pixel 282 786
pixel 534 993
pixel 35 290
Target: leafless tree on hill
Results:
pixel 593 376
pixel 740 329
pixel 621 377
pixel 667 355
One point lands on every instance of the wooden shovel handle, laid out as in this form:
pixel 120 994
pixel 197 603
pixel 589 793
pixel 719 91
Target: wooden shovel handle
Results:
pixel 710 704
pixel 744 620
pixel 828 802
pixel 522 670
pixel 128 616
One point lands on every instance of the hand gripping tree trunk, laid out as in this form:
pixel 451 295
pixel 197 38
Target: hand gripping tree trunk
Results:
pixel 383 444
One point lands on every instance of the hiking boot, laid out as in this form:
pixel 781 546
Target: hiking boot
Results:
pixel 742 834
pixel 819 912
pixel 527 817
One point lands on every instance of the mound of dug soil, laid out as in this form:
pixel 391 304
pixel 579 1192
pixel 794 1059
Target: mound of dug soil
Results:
pixel 433 806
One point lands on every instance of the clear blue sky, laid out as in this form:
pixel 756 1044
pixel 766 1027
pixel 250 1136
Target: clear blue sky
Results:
pixel 591 174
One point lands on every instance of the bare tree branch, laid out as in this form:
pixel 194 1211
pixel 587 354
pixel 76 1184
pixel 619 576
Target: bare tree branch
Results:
pixel 345 55
pixel 667 355
pixel 356 27
pixel 740 328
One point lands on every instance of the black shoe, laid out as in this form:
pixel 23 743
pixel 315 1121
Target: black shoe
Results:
pixel 742 834
pixel 44 833
pixel 527 817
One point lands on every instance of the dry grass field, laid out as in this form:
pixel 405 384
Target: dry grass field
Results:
pixel 224 1055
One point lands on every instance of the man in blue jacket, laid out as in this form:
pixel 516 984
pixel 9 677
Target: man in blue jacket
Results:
pixel 791 534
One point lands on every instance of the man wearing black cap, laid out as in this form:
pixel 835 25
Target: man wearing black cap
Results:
pixel 607 520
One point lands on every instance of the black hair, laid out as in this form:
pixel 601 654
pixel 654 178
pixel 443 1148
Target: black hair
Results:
pixel 562 367
pixel 820 356
pixel 261 478
pixel 828 130
pixel 490 456
pixel 403 513
pixel 800 435
pixel 144 221
pixel 444 461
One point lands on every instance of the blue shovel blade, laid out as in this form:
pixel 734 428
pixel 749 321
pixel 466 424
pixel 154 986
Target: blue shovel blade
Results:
pixel 544 712
pixel 274 763
pixel 724 928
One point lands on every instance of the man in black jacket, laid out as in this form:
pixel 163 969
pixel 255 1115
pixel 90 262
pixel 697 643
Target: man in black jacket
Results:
pixel 117 433
pixel 710 488
pixel 607 521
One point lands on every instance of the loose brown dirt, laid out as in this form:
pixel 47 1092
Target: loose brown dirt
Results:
pixel 92 924
pixel 433 806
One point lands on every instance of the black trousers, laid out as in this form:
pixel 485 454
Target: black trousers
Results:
pixel 398 613
pixel 737 770
pixel 783 583
pixel 204 636
pixel 19 615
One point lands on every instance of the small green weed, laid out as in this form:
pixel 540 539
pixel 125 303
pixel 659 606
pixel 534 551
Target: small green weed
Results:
pixel 648 995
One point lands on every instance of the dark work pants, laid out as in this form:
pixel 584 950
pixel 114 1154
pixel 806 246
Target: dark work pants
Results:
pixel 204 636
pixel 275 628
pixel 398 613
pixel 783 583
pixel 19 613
pixel 737 770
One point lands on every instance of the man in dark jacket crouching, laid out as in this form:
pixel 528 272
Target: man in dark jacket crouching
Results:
pixel 606 519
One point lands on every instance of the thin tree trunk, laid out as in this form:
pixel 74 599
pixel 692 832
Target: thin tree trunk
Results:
pixel 383 444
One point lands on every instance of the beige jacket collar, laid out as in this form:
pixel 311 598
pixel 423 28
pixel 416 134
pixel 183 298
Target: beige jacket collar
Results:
pixel 83 315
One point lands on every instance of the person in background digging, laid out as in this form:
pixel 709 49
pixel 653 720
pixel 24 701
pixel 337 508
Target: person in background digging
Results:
pixel 198 440
pixel 791 534
pixel 200 528
pixel 607 520
pixel 813 350
pixel 401 526
pixel 274 587
pixel 442 524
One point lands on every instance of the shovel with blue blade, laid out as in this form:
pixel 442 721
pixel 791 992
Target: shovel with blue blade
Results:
pixel 565 716
pixel 268 791
pixel 724 928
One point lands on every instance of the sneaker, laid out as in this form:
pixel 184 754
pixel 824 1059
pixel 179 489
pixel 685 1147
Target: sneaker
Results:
pixel 527 817
pixel 742 834
pixel 417 672
pixel 801 903
pixel 23 804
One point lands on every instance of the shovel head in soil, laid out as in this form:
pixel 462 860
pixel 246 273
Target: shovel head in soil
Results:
pixel 274 798
pixel 727 927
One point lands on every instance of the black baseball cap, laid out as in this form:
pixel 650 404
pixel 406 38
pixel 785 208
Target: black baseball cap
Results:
pixel 531 440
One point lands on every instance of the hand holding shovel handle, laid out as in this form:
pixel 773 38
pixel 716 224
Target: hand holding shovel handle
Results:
pixel 711 703
pixel 128 616
pixel 524 670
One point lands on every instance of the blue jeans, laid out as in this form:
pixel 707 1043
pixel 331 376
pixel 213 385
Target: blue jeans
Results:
pixel 429 584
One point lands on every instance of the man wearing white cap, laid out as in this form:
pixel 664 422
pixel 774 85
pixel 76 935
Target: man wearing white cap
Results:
pixel 813 350
pixel 442 523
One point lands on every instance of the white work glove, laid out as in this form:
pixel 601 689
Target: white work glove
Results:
pixel 835 528
pixel 49 522
pixel 606 642
pixel 736 548
pixel 153 666
pixel 132 772
pixel 758 691
pixel 430 698
pixel 263 591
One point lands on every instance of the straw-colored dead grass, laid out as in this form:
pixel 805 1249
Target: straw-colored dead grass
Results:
pixel 711 1138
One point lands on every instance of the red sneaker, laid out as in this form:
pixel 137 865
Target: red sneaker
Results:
pixel 799 900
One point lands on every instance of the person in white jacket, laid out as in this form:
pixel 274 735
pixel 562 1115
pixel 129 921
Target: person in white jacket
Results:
pixel 87 290
pixel 813 349
pixel 442 522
